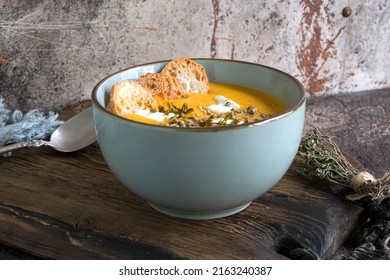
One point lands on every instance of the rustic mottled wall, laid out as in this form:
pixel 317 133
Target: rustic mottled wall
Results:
pixel 53 52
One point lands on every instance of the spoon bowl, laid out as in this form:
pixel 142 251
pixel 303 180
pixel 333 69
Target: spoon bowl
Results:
pixel 73 135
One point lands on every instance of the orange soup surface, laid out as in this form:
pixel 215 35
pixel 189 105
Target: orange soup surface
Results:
pixel 225 104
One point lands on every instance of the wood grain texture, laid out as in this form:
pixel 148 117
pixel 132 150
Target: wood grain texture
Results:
pixel 70 206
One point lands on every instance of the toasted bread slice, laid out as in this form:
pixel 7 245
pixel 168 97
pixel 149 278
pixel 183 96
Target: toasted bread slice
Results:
pixel 191 75
pixel 128 97
pixel 168 87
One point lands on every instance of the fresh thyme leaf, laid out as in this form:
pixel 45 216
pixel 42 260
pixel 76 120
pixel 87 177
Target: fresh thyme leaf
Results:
pixel 190 110
pixel 208 122
pixel 161 109
pixel 234 122
pixel 228 116
pixel 182 111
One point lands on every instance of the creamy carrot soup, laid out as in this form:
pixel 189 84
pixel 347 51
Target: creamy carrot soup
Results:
pixel 224 105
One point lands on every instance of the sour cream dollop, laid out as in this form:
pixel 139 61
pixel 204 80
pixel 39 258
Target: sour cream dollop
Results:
pixel 224 105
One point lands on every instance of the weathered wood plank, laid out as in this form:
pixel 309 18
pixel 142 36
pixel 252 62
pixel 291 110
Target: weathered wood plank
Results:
pixel 70 206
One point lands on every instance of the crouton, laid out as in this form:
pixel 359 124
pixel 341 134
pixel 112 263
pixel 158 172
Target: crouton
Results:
pixel 191 74
pixel 128 97
pixel 166 86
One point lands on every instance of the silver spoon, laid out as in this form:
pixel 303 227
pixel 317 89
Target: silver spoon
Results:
pixel 75 134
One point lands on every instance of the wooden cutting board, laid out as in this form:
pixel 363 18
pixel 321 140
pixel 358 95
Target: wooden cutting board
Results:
pixel 70 206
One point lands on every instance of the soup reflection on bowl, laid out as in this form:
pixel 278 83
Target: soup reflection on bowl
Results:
pixel 203 172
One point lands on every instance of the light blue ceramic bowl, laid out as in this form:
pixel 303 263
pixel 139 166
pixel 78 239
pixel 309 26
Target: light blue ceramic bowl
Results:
pixel 203 173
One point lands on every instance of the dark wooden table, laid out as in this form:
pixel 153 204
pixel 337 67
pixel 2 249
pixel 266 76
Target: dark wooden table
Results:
pixel 70 206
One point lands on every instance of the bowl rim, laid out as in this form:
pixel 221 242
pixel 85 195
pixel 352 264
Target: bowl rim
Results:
pixel 276 117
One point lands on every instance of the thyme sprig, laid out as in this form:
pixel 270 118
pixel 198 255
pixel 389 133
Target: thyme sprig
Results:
pixel 172 108
pixel 182 111
pixel 320 157
pixel 323 159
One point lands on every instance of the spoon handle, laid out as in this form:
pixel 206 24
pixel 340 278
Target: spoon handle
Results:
pixel 26 144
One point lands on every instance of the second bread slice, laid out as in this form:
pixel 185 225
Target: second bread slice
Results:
pixel 191 75
pixel 168 87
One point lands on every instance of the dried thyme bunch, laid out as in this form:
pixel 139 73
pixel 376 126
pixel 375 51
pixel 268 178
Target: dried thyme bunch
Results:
pixel 319 157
